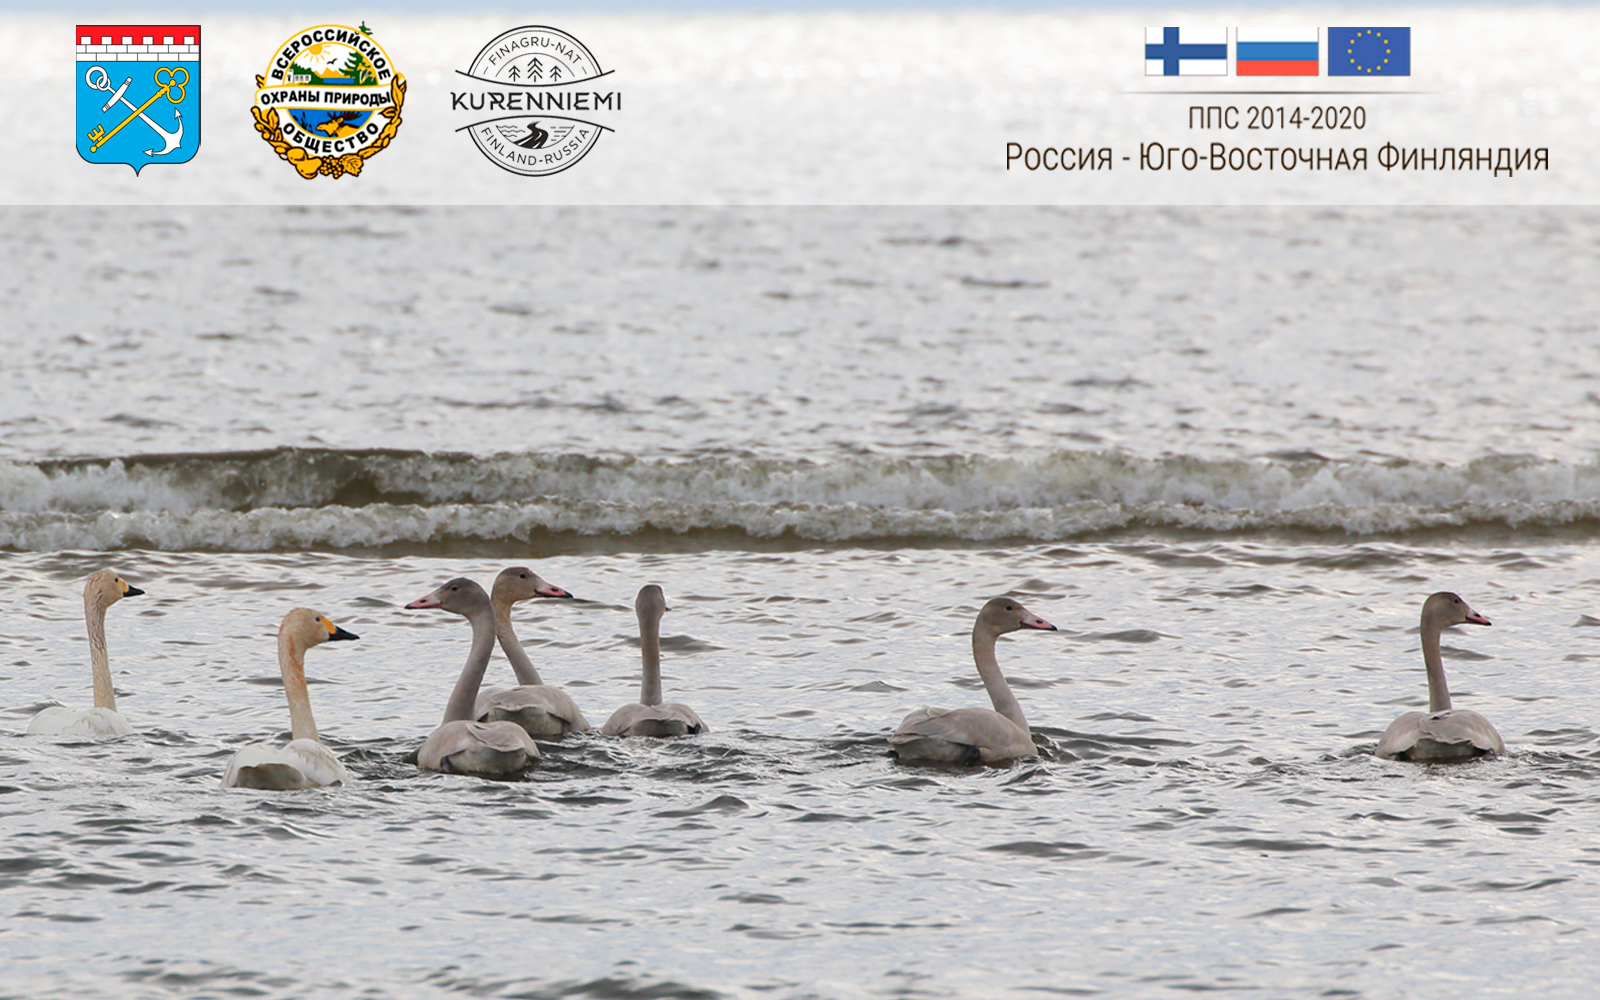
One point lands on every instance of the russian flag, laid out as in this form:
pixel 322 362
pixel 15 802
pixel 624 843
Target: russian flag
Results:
pixel 1277 52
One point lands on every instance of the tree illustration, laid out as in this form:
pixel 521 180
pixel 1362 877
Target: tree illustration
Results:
pixel 555 73
pixel 358 70
pixel 514 73
pixel 535 69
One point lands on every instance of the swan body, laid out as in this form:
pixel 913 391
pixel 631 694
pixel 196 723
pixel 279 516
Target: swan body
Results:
pixel 299 764
pixel 976 735
pixel 93 723
pixel 1442 733
pixel 100 591
pixel 481 749
pixel 305 762
pixel 462 745
pixel 662 721
pixel 544 710
pixel 650 716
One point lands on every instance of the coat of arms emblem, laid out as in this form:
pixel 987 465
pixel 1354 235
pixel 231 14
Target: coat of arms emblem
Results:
pixel 138 93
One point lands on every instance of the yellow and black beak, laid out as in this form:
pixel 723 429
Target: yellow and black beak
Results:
pixel 335 633
pixel 128 590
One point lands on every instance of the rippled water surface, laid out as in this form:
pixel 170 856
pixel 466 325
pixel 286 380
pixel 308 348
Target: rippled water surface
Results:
pixel 1228 454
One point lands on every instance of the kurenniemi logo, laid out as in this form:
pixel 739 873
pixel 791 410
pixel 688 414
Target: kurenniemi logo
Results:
pixel 535 98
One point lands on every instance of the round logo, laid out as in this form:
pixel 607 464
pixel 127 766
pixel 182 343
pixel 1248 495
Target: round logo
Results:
pixel 537 90
pixel 329 100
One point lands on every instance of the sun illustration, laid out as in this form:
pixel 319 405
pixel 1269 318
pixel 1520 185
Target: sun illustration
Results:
pixel 321 56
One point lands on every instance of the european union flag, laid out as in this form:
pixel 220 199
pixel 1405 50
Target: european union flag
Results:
pixel 1369 51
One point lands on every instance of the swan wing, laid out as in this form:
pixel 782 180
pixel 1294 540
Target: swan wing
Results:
pixel 1462 726
pixel 317 762
pixel 1401 736
pixel 690 719
pixel 621 719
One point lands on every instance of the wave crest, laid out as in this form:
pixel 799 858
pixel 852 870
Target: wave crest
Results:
pixel 331 499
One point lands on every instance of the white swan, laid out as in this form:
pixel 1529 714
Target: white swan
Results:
pixel 1441 733
pixel 305 762
pixel 545 711
pixel 649 717
pixel 461 745
pixel 102 590
pixel 973 735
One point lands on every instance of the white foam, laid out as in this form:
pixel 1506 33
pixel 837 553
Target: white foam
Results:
pixel 216 502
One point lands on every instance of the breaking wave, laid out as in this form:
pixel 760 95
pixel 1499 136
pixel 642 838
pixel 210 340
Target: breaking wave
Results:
pixel 293 499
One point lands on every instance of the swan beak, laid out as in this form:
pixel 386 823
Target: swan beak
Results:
pixel 128 590
pixel 339 633
pixel 430 601
pixel 551 590
pixel 1040 624
pixel 1473 618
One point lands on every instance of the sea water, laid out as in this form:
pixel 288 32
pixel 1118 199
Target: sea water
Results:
pixel 1228 454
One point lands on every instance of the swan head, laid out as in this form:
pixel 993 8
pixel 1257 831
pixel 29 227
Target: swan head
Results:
pixel 1002 615
pixel 106 588
pixel 461 596
pixel 519 583
pixel 651 604
pixel 1445 609
pixel 306 628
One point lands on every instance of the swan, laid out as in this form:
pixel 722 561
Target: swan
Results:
pixel 546 712
pixel 461 745
pixel 649 717
pixel 100 591
pixel 304 763
pixel 1442 732
pixel 974 735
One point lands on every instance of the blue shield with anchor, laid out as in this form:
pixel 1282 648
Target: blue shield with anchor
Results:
pixel 138 93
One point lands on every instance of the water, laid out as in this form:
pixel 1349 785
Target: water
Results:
pixel 1228 453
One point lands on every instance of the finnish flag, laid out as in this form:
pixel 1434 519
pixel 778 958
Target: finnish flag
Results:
pixel 1186 52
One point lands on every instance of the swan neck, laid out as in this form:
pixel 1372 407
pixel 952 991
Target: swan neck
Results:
pixel 993 680
pixel 466 689
pixel 94 617
pixel 1438 690
pixel 512 646
pixel 291 663
pixel 650 652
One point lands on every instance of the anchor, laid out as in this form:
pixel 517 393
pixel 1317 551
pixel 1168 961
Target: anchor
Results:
pixel 103 82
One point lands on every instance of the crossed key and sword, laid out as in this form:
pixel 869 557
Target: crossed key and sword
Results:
pixel 172 88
